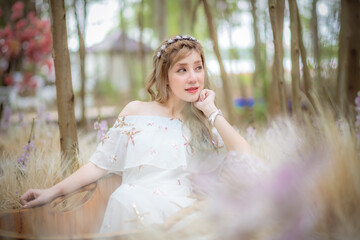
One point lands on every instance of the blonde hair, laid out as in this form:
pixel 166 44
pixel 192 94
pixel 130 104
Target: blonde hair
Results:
pixel 156 85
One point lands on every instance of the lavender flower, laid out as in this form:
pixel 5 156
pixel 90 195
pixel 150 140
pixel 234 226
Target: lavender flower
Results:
pixel 5 121
pixel 357 123
pixel 102 129
pixel 22 160
pixel 250 133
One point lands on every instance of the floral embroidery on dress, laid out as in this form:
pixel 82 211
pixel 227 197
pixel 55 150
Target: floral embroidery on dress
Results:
pixel 187 143
pixel 120 122
pixel 131 134
pixel 104 138
pixel 139 217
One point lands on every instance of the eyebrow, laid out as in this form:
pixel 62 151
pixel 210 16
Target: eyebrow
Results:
pixel 184 64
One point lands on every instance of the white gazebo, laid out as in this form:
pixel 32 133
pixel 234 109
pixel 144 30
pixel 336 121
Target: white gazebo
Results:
pixel 116 59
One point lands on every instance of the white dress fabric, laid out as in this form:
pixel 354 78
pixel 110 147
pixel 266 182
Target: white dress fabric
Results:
pixel 155 158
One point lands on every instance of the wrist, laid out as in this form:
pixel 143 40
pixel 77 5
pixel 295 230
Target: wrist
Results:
pixel 209 110
pixel 213 116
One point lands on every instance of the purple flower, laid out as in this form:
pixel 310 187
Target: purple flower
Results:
pixel 96 125
pixel 102 129
pixel 22 160
pixel 5 121
pixel 250 133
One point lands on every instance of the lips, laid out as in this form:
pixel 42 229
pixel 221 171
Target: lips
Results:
pixel 192 89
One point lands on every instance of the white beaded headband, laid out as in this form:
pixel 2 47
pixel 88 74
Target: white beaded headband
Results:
pixel 172 40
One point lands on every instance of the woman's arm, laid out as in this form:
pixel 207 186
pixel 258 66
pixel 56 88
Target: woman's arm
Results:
pixel 83 176
pixel 231 138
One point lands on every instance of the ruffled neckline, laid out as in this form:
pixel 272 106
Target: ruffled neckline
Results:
pixel 149 120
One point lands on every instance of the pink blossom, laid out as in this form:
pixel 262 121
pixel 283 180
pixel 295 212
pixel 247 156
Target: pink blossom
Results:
pixel 18 6
pixel 357 100
pixel 250 133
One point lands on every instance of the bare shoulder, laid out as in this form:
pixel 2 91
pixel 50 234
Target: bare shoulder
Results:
pixel 137 108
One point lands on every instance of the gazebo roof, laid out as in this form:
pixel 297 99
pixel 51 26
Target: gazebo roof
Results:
pixel 114 43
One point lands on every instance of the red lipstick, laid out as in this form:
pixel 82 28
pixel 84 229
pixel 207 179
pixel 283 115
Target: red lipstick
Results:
pixel 192 89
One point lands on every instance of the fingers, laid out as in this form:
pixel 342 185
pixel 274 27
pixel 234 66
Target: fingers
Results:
pixel 30 198
pixel 205 93
pixel 33 203
pixel 26 197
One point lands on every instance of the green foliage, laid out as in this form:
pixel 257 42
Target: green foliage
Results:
pixel 106 93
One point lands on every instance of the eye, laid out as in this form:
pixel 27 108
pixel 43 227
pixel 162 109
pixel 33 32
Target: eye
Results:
pixel 199 68
pixel 181 70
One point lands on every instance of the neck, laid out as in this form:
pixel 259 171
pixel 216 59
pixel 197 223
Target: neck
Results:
pixel 174 107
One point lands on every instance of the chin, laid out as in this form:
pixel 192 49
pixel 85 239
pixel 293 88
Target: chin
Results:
pixel 193 99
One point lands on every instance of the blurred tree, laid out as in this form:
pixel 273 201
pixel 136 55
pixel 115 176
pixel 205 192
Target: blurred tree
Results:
pixel 81 26
pixel 224 77
pixel 295 54
pixel 277 94
pixel 128 63
pixel 185 16
pixel 259 76
pixel 160 12
pixel 308 88
pixel 140 15
pixel 64 90
pixel 348 79
pixel 315 39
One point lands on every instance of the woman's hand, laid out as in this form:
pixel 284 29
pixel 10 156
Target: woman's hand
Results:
pixel 36 197
pixel 206 102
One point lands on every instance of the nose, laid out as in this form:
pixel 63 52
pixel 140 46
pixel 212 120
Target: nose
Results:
pixel 192 76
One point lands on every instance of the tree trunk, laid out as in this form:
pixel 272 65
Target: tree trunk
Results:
pixel 224 77
pixel 64 90
pixel 295 67
pixel 141 51
pixel 82 54
pixel 341 95
pixel 307 77
pixel 127 56
pixel 161 19
pixel 194 15
pixel 185 16
pixel 348 79
pixel 277 93
pixel 257 48
pixel 353 82
pixel 315 40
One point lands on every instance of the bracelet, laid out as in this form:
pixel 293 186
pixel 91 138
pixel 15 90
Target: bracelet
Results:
pixel 214 115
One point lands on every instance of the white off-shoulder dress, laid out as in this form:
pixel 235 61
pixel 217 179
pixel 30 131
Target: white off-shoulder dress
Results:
pixel 155 158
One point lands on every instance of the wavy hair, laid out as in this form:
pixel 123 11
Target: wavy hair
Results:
pixel 156 85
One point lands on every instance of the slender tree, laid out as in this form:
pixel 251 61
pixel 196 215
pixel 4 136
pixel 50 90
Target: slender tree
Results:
pixel 161 19
pixel 224 77
pixel 315 39
pixel 295 54
pixel 141 44
pixel 308 88
pixel 82 54
pixel 126 53
pixel 64 90
pixel 194 15
pixel 348 79
pixel 277 93
pixel 257 48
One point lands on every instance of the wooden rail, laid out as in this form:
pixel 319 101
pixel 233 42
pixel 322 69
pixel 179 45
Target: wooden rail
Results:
pixel 62 219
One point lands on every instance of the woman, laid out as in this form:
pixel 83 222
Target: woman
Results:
pixel 156 145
